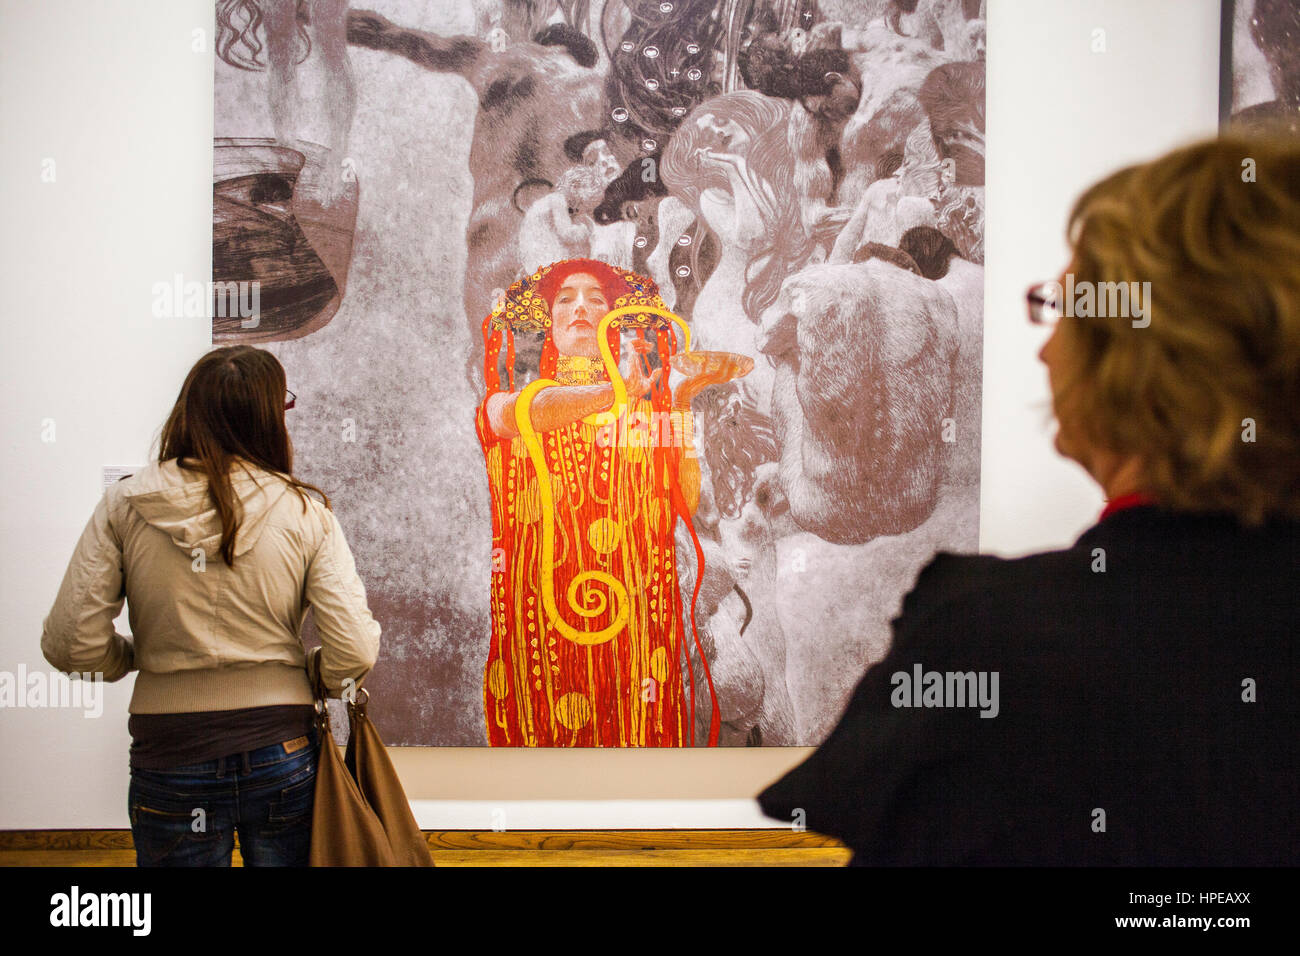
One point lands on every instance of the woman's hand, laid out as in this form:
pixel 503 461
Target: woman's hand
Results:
pixel 637 382
pixel 722 159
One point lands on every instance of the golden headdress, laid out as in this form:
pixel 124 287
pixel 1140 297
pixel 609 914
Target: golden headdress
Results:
pixel 524 308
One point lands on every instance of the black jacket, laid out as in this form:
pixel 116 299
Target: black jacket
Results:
pixel 1124 702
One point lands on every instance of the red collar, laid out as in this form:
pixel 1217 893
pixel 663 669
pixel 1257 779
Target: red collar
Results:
pixel 1131 500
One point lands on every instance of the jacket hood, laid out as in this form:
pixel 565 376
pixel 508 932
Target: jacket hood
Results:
pixel 176 502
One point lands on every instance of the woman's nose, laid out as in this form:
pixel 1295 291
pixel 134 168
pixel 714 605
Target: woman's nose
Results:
pixel 1044 353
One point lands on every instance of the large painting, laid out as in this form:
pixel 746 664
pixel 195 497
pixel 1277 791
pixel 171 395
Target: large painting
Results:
pixel 638 344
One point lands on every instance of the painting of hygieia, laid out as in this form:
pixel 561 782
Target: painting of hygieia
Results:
pixel 637 342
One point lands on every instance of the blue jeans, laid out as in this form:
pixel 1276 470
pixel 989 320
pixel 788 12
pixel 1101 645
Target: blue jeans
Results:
pixel 187 816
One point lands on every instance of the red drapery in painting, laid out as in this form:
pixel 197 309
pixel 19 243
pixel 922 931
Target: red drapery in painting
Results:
pixel 615 501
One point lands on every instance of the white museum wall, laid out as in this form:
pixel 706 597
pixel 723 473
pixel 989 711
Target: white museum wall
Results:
pixel 115 96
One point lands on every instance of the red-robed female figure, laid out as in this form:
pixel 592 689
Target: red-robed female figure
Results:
pixel 589 472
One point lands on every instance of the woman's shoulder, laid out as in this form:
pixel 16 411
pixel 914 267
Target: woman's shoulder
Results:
pixel 986 595
pixel 292 505
pixel 306 508
pixel 950 576
pixel 155 480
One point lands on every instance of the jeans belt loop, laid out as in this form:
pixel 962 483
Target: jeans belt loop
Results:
pixel 248 767
pixel 221 767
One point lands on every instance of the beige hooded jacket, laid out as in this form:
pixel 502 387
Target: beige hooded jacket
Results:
pixel 207 635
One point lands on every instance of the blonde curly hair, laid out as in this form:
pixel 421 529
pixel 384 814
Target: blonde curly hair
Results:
pixel 1208 394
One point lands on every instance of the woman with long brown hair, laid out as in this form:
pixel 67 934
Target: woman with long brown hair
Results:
pixel 218 551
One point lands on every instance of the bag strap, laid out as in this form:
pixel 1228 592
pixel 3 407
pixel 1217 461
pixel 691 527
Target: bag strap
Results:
pixel 357 706
pixel 319 692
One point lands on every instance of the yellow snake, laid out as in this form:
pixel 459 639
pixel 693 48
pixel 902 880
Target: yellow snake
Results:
pixel 593 602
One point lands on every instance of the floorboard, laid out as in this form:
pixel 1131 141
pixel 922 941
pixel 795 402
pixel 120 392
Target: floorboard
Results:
pixel 540 848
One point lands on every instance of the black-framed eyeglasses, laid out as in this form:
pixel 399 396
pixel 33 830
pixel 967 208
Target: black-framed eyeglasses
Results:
pixel 289 399
pixel 1044 302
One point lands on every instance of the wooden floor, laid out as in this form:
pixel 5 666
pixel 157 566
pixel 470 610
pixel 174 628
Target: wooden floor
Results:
pixel 488 848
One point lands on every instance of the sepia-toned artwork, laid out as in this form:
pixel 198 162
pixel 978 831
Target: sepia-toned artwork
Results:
pixel 637 344
pixel 1260 65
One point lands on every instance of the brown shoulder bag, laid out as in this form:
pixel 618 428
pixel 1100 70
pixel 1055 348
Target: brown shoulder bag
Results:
pixel 361 815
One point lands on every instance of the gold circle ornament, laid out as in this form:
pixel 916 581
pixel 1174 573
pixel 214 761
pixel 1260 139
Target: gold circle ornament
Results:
pixel 573 711
pixel 603 535
pixel 659 664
